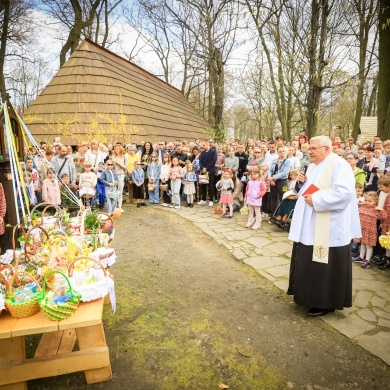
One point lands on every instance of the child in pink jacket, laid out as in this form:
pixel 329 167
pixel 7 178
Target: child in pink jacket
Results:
pixel 51 192
pixel 255 190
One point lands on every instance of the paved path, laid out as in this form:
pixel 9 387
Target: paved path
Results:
pixel 268 251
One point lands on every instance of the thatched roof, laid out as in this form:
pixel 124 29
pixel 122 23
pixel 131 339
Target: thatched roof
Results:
pixel 368 128
pixel 97 94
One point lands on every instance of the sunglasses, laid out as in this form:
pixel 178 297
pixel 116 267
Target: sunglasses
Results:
pixel 110 165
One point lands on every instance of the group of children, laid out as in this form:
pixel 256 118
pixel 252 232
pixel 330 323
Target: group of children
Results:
pixel 374 214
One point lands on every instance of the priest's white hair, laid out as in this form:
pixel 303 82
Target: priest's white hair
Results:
pixel 324 140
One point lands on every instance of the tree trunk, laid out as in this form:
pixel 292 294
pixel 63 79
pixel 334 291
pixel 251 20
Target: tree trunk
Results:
pixel 317 63
pixel 384 71
pixel 373 97
pixel 3 46
pixel 219 94
pixel 365 18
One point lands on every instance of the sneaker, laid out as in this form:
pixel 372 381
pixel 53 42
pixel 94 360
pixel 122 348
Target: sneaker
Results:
pixel 365 264
pixel 138 204
pixel 202 202
pixel 171 206
pixel 177 206
pixel 211 203
pixel 377 260
pixel 223 215
pixel 191 205
pixel 228 216
pixel 249 224
pixel 256 226
pixel 143 204
pixel 122 211
pixel 164 204
pixel 357 259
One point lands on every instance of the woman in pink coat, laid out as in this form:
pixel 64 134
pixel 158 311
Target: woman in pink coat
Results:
pixel 51 189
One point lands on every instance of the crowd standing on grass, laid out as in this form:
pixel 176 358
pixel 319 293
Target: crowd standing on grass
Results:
pixel 260 174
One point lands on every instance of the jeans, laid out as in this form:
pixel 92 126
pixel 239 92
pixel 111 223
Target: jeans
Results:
pixel 121 184
pixel 154 196
pixel 208 187
pixel 276 194
pixel 175 188
pixel 110 203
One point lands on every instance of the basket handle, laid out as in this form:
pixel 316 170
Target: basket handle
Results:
pixel 109 217
pixel 20 226
pixel 11 282
pixel 50 206
pixel 28 234
pixel 2 276
pixel 54 271
pixel 71 265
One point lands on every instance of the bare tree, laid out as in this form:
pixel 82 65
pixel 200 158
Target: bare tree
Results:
pixel 76 15
pixel 213 26
pixel 15 26
pixel 364 18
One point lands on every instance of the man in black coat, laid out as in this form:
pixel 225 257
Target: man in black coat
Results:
pixel 242 160
pixel 207 161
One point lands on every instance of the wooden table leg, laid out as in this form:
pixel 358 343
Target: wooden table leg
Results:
pixel 13 350
pixel 89 337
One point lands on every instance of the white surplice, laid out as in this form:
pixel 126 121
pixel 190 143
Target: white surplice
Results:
pixel 340 201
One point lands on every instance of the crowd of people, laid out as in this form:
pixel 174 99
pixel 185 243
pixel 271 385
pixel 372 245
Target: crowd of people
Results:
pixel 260 174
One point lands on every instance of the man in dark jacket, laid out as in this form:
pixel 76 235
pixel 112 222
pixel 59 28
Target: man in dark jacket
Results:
pixel 242 160
pixel 207 162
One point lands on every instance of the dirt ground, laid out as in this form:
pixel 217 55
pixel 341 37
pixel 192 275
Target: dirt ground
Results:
pixel 192 317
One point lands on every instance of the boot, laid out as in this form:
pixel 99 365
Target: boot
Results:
pixel 386 266
pixel 249 224
pixel 256 226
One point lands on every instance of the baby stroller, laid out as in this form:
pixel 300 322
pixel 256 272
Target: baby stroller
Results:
pixel 284 211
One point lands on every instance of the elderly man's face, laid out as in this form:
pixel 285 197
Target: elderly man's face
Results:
pixel 317 151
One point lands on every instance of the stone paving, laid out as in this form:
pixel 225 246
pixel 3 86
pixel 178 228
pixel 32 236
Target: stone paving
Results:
pixel 268 251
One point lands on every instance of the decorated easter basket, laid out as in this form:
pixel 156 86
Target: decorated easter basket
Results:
pixel 92 282
pixel 20 308
pixel 57 308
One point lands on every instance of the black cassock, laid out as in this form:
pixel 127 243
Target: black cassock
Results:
pixel 319 285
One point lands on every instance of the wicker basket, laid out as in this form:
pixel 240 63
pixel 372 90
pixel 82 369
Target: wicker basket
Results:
pixel 22 309
pixel 218 210
pixel 244 210
pixel 163 187
pixel 4 281
pixel 91 291
pixel 59 311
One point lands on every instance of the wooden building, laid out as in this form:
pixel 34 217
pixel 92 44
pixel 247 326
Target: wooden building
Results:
pixel 368 128
pixel 98 94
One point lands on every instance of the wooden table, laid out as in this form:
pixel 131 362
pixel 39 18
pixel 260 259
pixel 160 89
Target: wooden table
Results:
pixel 54 355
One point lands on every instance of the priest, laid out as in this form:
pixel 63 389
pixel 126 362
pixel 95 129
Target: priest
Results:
pixel 325 221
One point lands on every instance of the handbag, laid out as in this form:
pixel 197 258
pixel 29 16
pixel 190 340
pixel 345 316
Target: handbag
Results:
pixel 204 178
pixel 151 187
pixel 163 187
pixel 113 193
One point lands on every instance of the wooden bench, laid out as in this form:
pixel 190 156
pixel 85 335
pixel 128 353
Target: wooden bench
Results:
pixel 54 355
